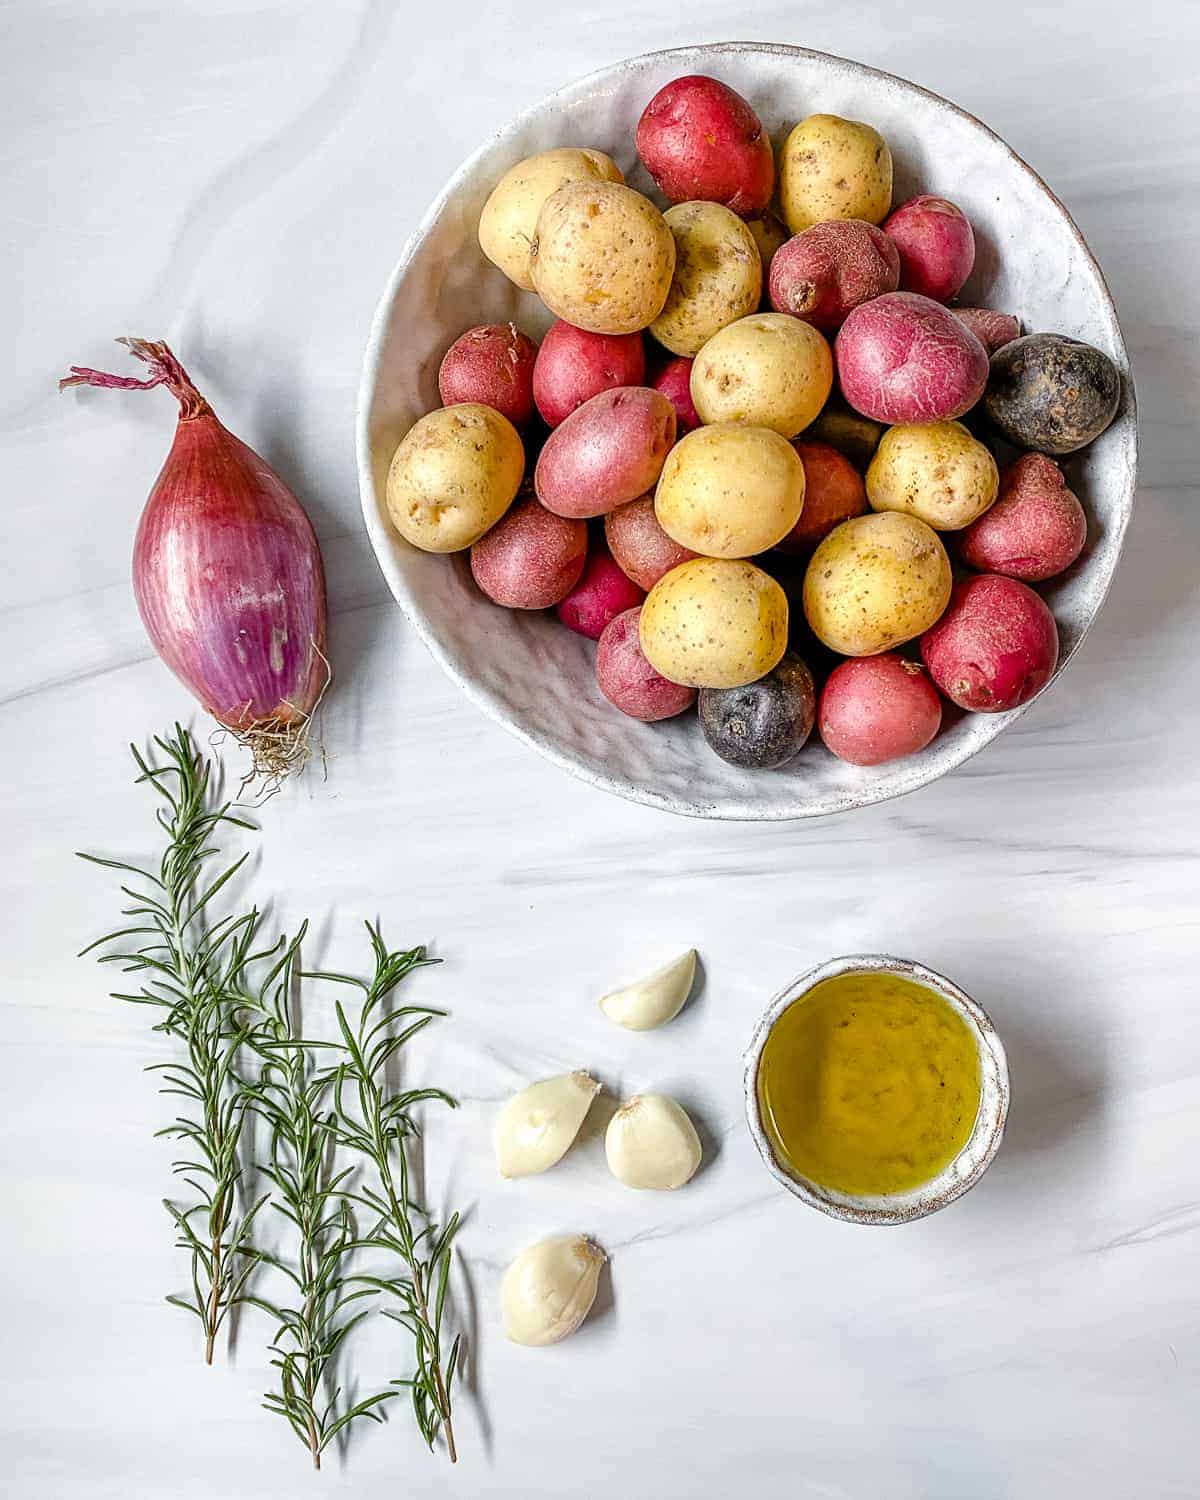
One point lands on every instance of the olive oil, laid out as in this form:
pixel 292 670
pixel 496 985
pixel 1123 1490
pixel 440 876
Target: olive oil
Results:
pixel 869 1084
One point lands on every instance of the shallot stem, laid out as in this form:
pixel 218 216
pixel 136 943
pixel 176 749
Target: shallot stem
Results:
pixel 165 369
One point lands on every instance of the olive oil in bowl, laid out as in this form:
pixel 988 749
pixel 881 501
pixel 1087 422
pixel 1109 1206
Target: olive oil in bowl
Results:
pixel 876 1090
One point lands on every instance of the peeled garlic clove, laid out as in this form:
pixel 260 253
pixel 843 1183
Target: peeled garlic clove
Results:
pixel 651 1143
pixel 549 1289
pixel 655 1000
pixel 536 1127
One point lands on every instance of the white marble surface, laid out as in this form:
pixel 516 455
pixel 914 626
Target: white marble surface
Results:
pixel 238 177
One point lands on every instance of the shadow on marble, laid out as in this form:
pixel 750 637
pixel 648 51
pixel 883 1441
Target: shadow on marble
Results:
pixel 463 1310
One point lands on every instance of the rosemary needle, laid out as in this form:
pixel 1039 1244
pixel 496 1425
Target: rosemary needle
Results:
pixel 338 1134
pixel 194 971
pixel 378 1125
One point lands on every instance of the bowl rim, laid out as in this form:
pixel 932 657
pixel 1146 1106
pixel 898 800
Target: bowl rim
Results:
pixel 988 1132
pixel 736 808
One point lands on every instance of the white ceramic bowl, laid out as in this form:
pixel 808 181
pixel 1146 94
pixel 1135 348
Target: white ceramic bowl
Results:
pixel 523 668
pixel 971 1162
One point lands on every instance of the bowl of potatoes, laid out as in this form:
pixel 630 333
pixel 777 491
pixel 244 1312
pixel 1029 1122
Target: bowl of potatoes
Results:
pixel 749 431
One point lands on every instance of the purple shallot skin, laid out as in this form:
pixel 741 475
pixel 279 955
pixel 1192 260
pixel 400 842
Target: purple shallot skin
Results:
pixel 227 572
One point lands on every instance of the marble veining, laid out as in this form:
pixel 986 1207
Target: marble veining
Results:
pixel 240 179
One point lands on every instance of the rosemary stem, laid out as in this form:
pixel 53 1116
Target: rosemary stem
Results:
pixel 400 1218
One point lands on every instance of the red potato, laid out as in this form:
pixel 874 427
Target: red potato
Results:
pixel 906 358
pixel 992 329
pixel 531 558
pixel 1036 528
pixel 628 680
pixel 674 380
pixel 936 245
pixel 823 273
pixel 492 365
pixel 878 708
pixel 833 492
pixel 607 452
pixel 995 646
pixel 642 549
pixel 700 139
pixel 602 593
pixel 573 365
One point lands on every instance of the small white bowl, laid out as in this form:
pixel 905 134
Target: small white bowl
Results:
pixel 522 667
pixel 971 1162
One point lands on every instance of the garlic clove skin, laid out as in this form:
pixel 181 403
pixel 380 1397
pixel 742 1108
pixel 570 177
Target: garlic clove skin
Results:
pixel 536 1127
pixel 655 1000
pixel 651 1143
pixel 549 1289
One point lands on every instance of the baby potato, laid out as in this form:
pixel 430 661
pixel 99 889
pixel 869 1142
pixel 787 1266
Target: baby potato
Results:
pixel 714 622
pixel 508 222
pixel 453 476
pixel 933 470
pixel 830 168
pixel 602 257
pixel 730 490
pixel 768 370
pixel 876 582
pixel 718 276
pixel 769 235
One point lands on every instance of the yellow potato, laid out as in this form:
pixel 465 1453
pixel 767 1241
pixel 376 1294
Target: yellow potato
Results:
pixel 830 168
pixel 718 276
pixel 602 257
pixel 769 235
pixel 730 490
pixel 714 622
pixel 453 476
pixel 875 582
pixel 933 470
pixel 768 370
pixel 509 219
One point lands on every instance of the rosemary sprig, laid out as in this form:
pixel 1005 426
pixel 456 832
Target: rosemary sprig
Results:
pixel 292 1095
pixel 226 996
pixel 195 969
pixel 378 1125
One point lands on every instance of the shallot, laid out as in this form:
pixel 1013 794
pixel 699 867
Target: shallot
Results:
pixel 227 575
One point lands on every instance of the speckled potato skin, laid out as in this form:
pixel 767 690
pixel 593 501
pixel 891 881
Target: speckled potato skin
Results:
pixel 992 329
pixel 770 235
pixel 531 558
pixel 935 471
pixel 833 492
pixel 492 365
pixel 717 279
pixel 628 680
pixel 767 370
pixel 995 647
pixel 508 222
pixel 453 476
pixel 1036 529
pixel 1051 393
pixel 642 549
pixel 765 724
pixel 602 257
pixel 876 582
pixel 849 432
pixel 830 168
pixel 824 273
pixel 730 490
pixel 609 451
pixel 714 622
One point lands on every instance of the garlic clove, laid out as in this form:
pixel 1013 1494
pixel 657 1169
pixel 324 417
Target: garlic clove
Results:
pixel 651 1143
pixel 549 1289
pixel 655 1000
pixel 536 1126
